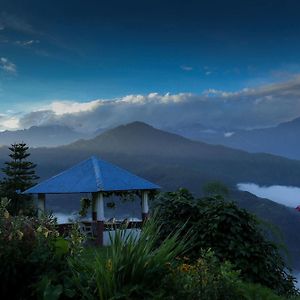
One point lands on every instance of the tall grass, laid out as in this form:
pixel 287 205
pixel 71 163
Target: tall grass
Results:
pixel 133 268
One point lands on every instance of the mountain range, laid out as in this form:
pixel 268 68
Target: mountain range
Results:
pixel 279 140
pixel 170 159
pixel 282 139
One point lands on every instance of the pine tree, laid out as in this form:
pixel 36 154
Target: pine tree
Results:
pixel 19 176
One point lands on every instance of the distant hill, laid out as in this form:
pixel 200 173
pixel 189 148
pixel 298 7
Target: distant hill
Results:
pixel 281 140
pixel 41 136
pixel 198 132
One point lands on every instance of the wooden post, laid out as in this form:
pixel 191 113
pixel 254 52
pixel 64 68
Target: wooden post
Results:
pixel 145 205
pixel 41 204
pixel 94 209
pixel 100 218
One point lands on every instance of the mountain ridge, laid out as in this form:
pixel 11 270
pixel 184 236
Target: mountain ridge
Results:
pixel 279 140
pixel 41 136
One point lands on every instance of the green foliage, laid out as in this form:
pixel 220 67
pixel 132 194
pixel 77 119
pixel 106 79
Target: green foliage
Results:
pixel 19 176
pixel 76 240
pixel 37 263
pixel 132 269
pixel 204 279
pixel 111 204
pixel 47 290
pixel 251 291
pixel 232 233
pixel 32 256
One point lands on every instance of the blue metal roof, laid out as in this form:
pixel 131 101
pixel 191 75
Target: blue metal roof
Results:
pixel 92 175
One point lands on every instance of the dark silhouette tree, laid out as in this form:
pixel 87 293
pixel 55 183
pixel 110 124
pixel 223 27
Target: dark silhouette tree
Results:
pixel 19 176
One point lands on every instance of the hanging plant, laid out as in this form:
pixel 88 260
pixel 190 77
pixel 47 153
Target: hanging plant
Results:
pixel 123 195
pixel 85 204
pixel 111 204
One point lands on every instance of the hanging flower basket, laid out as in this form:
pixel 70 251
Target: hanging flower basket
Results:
pixel 111 204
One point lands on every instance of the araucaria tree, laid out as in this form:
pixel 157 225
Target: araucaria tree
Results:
pixel 19 176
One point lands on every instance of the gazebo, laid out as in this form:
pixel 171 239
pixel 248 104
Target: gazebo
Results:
pixel 97 177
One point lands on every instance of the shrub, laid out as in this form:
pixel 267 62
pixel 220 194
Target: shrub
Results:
pixel 204 279
pixel 31 253
pixel 133 267
pixel 233 234
pixel 252 291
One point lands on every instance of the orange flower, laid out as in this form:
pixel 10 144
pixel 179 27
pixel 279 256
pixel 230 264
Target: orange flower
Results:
pixel 185 268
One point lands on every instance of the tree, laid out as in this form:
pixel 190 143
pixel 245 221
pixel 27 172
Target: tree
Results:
pixel 19 176
pixel 231 233
pixel 216 189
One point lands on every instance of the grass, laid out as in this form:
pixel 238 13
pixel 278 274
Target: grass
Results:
pixel 91 252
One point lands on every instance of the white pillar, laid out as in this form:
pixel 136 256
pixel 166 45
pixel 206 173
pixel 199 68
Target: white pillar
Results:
pixel 41 204
pixel 145 205
pixel 100 207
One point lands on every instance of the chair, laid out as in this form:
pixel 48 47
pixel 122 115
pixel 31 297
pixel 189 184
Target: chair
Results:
pixel 86 229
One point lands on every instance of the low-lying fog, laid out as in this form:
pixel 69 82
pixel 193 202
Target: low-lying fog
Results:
pixel 286 195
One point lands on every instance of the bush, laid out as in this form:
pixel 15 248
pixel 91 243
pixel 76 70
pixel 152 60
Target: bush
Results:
pixel 252 291
pixel 204 279
pixel 32 255
pixel 233 234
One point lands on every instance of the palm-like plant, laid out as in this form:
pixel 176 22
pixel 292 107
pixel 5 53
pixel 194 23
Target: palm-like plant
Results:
pixel 133 267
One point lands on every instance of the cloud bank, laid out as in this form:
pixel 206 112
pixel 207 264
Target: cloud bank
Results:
pixel 249 108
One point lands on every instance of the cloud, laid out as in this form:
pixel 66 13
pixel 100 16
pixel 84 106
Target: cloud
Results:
pixel 208 70
pixel 7 65
pixel 248 108
pixel 27 43
pixel 9 122
pixel 228 134
pixel 186 68
pixel 67 107
pixel 12 22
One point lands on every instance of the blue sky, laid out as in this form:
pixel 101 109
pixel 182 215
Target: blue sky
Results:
pixel 85 50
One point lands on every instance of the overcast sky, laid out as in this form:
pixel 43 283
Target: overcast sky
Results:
pixel 225 63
